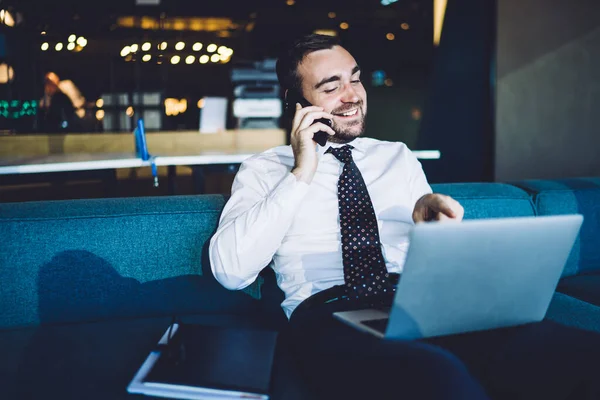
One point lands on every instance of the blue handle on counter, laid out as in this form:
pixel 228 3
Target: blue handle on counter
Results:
pixel 141 149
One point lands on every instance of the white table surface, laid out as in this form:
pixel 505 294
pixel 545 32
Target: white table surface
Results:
pixel 97 161
pixel 91 161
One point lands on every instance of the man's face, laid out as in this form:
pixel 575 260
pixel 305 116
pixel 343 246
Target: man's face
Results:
pixel 331 79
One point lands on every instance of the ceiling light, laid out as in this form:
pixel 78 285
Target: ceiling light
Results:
pixel 390 36
pixel 331 15
pixel 7 73
pixel 126 50
pixel 146 46
pixel 326 32
pixel 100 103
pixel 71 46
pixel 99 115
pixel 290 2
pixel 344 25
pixel 197 46
pixel 405 26
pixel 211 48
pixel 162 46
pixel 58 47
pixel 72 38
pixel 222 50
pixel 439 12
pixel 45 46
pixel 129 111
pixel 6 18
pixel 175 60
pixel 204 59
pixel 190 59
pixel 82 41
pixel 179 46
pixel 133 48
pixel 146 57
pixel 215 58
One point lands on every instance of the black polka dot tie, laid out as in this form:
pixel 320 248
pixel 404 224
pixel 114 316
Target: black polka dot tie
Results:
pixel 365 274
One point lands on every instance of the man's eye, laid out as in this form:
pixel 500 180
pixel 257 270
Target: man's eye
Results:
pixel 356 81
pixel 329 90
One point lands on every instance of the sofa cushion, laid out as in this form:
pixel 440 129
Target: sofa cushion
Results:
pixel 570 311
pixel 91 361
pixel 488 200
pixel 572 196
pixel 84 260
pixel 585 287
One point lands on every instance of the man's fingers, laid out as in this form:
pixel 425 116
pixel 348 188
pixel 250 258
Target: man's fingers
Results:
pixel 301 112
pixel 314 128
pixel 437 207
pixel 442 217
pixel 443 206
pixel 309 118
pixel 418 215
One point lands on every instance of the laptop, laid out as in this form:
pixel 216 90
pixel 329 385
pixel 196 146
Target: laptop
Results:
pixel 474 275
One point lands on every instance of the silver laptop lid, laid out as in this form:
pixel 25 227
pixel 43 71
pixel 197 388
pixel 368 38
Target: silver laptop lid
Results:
pixel 480 274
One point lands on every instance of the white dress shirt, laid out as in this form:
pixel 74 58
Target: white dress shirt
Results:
pixel 272 218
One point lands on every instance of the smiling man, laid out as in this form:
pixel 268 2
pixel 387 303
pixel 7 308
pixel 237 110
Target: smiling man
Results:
pixel 285 212
pixel 333 222
pixel 284 206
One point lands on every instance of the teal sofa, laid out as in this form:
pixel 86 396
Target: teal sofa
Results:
pixel 88 286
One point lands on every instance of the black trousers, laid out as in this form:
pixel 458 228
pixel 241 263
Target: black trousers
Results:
pixel 536 361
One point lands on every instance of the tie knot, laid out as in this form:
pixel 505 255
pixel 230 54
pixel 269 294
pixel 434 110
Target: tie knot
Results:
pixel 344 153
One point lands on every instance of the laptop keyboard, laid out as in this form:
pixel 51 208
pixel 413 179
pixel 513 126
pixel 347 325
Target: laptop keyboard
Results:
pixel 379 325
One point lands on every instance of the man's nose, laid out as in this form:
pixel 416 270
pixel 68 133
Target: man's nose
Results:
pixel 350 95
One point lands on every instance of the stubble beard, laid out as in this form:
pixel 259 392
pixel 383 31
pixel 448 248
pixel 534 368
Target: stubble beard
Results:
pixel 348 132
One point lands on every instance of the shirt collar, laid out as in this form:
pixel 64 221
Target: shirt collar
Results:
pixel 358 144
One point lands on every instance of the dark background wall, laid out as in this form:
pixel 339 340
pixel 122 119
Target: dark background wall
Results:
pixel 548 89
pixel 458 112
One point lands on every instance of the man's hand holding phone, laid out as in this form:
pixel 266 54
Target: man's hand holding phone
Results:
pixel 303 145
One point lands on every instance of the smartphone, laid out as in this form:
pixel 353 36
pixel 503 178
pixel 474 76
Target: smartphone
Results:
pixel 320 137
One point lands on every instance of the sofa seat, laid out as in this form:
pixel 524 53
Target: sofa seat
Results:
pixel 585 287
pixel 89 286
pixel 581 277
pixel 573 312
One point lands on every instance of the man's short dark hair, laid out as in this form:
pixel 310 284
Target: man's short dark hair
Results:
pixel 293 54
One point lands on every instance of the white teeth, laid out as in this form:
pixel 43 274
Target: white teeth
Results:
pixel 349 113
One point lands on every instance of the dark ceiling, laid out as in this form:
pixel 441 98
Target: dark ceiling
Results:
pixel 261 26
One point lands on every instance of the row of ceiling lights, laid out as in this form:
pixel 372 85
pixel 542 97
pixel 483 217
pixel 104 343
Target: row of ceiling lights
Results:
pixel 203 59
pixel 220 54
pixel 74 43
